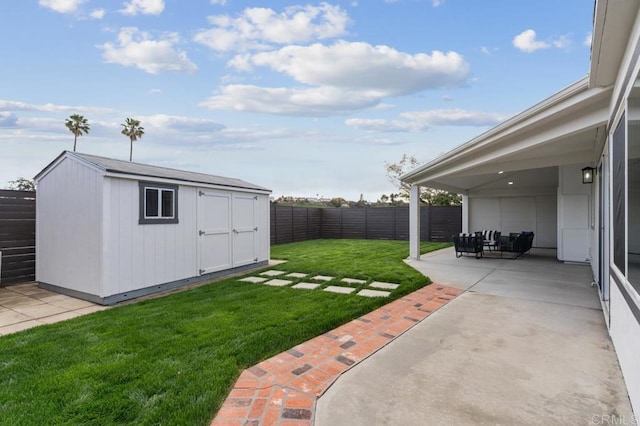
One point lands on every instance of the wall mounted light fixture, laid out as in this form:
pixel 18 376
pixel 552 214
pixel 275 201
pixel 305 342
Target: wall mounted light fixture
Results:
pixel 587 174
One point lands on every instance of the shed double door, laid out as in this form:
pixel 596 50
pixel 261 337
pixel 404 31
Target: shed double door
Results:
pixel 227 230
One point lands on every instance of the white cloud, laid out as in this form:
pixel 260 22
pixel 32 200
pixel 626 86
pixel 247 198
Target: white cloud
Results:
pixel 137 48
pixel 7 119
pixel 383 106
pixel 562 42
pixel 62 6
pixel 418 121
pixel 219 2
pixel 97 14
pixel 384 125
pixel 344 77
pixel 377 71
pixel 155 91
pixel 526 41
pixel 256 28
pixel 437 3
pixel 455 117
pixel 320 101
pixel 181 124
pixel 23 106
pixel 587 40
pixel 146 7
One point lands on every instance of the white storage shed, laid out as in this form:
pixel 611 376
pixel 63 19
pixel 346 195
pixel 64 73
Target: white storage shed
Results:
pixel 110 230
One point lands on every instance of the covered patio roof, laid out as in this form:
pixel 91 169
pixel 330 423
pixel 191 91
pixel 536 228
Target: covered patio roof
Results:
pixel 567 128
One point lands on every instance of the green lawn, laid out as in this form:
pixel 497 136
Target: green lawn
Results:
pixel 172 360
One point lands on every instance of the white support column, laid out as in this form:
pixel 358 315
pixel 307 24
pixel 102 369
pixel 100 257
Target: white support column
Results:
pixel 465 213
pixel 414 222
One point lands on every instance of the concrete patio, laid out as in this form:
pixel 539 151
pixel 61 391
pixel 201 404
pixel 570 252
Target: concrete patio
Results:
pixel 24 306
pixel 525 344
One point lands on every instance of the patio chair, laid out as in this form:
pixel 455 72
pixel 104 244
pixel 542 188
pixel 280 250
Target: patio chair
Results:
pixel 517 243
pixel 468 243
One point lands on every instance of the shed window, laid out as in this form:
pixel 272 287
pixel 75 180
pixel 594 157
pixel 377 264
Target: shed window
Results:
pixel 158 203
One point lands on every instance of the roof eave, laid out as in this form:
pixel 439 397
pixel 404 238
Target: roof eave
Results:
pixel 504 129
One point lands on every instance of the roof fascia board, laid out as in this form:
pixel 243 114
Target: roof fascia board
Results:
pixel 67 155
pixel 569 101
pixel 599 18
pixel 185 183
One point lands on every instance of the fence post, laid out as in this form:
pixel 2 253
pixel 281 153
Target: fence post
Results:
pixel 366 223
pixel 274 220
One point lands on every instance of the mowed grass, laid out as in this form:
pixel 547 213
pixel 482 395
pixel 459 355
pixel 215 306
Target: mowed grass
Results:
pixel 173 360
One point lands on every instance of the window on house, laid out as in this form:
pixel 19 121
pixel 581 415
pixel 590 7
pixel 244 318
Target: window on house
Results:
pixel 158 203
pixel 633 192
pixel 619 195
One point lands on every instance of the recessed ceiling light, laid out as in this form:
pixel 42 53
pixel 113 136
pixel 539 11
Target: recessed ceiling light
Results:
pixel 501 172
pixel 510 182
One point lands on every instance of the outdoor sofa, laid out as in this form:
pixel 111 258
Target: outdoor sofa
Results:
pixel 517 243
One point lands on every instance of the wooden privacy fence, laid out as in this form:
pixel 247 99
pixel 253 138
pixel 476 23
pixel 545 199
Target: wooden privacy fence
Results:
pixel 17 236
pixel 291 224
pixel 288 224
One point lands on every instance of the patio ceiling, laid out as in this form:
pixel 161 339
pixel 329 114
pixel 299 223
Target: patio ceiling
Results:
pixel 568 128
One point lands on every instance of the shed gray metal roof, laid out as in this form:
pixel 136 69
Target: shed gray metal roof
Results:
pixel 127 167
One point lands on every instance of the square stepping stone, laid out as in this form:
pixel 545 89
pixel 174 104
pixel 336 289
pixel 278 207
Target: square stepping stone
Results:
pixel 296 275
pixel 306 286
pixel 388 286
pixel 278 283
pixel 373 293
pixel 342 290
pixel 272 273
pixel 322 278
pixel 254 279
pixel 353 281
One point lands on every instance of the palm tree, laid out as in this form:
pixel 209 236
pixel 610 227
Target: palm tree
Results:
pixel 77 125
pixel 133 131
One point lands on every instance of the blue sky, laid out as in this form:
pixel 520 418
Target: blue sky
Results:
pixel 305 98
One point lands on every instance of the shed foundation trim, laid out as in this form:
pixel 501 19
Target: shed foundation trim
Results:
pixel 121 297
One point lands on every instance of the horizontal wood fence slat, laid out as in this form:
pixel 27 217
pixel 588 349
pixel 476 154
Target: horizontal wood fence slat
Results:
pixel 291 224
pixel 17 236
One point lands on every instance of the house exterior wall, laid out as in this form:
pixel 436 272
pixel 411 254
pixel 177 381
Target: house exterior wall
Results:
pixel 624 330
pixel 575 209
pixel 624 303
pixel 535 213
pixel 68 237
pixel 142 255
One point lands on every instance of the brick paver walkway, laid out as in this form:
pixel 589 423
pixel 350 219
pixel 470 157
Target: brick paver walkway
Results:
pixel 283 390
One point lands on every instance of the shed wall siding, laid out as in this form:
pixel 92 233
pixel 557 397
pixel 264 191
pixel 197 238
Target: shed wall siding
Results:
pixel 139 256
pixel 69 213
pixel 264 228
